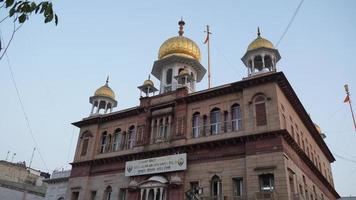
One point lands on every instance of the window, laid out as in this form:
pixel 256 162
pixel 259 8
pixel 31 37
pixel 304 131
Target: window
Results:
pixel 266 182
pixel 117 140
pixel 103 142
pixel 85 146
pixel 260 109
pixel 169 76
pixel 236 117
pixel 92 195
pixel 215 121
pixel 107 193
pixel 195 124
pixel 131 137
pixel 216 187
pixel 75 196
pixel 60 198
pixel 237 187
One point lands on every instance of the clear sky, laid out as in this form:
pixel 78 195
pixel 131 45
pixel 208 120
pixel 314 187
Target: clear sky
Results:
pixel 58 68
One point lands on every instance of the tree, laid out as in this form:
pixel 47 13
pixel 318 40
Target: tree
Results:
pixel 20 12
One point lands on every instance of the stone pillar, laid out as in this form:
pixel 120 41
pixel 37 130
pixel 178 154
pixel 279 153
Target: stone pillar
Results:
pixel 153 122
pixel 253 65
pixel 169 126
pixel 263 61
pixel 164 125
pixel 92 108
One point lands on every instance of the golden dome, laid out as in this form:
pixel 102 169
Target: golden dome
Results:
pixel 260 42
pixel 180 46
pixel 105 91
pixel 318 128
pixel 148 82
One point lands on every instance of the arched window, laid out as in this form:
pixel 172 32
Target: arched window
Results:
pixel 260 110
pixel 85 137
pixel 236 117
pixel 169 76
pixel 268 62
pixel 216 187
pixel 103 144
pixel 258 63
pixel 116 145
pixel 196 124
pixel 131 137
pixel 215 121
pixel 107 193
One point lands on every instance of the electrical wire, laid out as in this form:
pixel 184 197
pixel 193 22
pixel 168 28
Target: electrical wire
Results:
pixel 24 112
pixel 290 22
pixel 344 158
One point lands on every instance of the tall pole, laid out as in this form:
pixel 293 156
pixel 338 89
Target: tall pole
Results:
pixel 349 100
pixel 208 41
pixel 33 153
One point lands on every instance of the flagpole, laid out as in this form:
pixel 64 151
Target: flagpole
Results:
pixel 208 41
pixel 349 100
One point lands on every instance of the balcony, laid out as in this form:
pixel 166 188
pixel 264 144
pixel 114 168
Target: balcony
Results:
pixel 217 128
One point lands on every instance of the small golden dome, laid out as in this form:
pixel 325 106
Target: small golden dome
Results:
pixel 318 128
pixel 180 46
pixel 183 72
pixel 148 82
pixel 105 91
pixel 260 42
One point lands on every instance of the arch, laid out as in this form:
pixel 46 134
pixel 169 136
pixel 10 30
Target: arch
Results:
pixel 268 62
pixel 216 187
pixel 169 75
pixel 116 145
pixel 236 117
pixel 86 134
pixel 215 120
pixel 258 63
pixel 60 198
pixel 131 137
pixel 107 193
pixel 196 124
pixel 103 142
pixel 260 110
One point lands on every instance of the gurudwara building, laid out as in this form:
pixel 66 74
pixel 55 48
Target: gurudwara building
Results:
pixel 246 140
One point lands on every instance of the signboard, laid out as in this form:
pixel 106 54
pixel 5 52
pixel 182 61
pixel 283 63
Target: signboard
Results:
pixel 155 165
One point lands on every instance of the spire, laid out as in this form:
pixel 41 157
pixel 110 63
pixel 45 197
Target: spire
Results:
pixel 181 24
pixel 258 32
pixel 107 81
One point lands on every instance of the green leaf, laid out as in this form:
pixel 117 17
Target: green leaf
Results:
pixel 12 11
pixel 49 18
pixel 9 3
pixel 33 6
pixel 22 18
pixel 56 19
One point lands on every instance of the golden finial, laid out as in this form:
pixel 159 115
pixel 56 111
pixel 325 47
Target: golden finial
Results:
pixel 258 32
pixel 181 24
pixel 107 81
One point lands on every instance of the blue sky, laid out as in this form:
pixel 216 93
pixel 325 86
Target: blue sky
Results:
pixel 58 68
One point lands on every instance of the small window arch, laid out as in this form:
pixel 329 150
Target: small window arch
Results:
pixel 258 64
pixel 236 117
pixel 107 193
pixel 169 74
pixel 103 143
pixel 196 124
pixel 215 121
pixel 216 187
pixel 268 62
pixel 117 140
pixel 260 110
pixel 131 137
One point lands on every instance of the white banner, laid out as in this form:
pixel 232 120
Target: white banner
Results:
pixel 171 163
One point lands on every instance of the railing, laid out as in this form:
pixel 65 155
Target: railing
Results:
pixel 217 128
pixel 222 198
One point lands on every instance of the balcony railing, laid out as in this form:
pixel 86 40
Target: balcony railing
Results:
pixel 217 128
pixel 222 198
